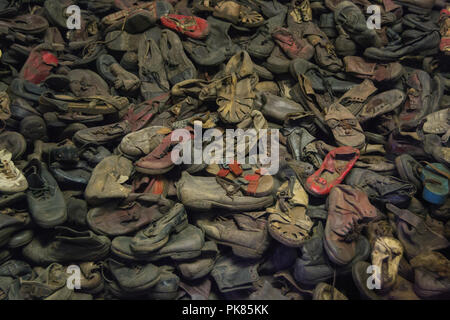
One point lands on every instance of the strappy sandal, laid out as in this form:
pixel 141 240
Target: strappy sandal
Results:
pixel 288 222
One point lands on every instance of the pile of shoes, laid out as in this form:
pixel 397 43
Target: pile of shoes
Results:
pixel 102 195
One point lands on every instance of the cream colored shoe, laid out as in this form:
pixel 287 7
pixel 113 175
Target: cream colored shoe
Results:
pixel 12 179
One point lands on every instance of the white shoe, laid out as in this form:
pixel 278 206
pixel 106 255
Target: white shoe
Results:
pixel 12 179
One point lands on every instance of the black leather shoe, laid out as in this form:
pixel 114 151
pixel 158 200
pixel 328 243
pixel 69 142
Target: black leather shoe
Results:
pixel 73 177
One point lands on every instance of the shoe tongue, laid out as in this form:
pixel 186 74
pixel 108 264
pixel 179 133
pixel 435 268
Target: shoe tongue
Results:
pixel 35 181
pixel 246 223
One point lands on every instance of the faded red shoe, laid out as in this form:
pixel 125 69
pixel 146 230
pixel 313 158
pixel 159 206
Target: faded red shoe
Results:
pixel 160 160
pixel 293 45
pixel 193 27
pixel 39 64
pixel 336 165
pixel 444 22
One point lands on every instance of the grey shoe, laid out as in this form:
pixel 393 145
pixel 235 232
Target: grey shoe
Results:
pixel 157 234
pixel 67 245
pixel 134 278
pixel 205 193
pixel 177 64
pixel 151 70
pixel 45 199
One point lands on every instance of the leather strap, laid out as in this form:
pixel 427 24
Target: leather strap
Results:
pixel 406 216
pixel 253 180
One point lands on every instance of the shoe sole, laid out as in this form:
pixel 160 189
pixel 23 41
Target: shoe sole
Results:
pixel 252 253
pixel 332 257
pixel 210 204
pixel 154 171
pixel 413 8
pixel 287 242
pixel 146 250
pixel 49 225
pixel 176 256
pixel 142 287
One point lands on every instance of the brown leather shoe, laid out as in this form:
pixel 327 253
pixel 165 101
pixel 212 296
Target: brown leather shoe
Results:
pixel 346 129
pixel 116 221
pixel 160 160
pixel 360 68
pixel 107 179
pixel 418 235
pixel 245 233
pixel 432 275
pixel 348 208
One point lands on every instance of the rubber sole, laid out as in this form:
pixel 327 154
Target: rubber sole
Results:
pixel 49 225
pixel 154 171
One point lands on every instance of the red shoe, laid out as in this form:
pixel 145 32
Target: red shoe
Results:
pixel 190 26
pixel 160 160
pixel 39 64
pixel 336 165
pixel 444 22
pixel 293 45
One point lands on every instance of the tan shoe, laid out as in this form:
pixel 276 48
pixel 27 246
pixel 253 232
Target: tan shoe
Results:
pixel 288 222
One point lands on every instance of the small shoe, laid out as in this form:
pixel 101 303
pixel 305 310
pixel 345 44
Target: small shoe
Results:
pixel 288 222
pixel 12 179
pixel 335 167
pixel 382 189
pixel 348 208
pixel 160 160
pixel 191 26
pixel 134 278
pixel 157 234
pixel 177 64
pixel 409 169
pixel 435 177
pixel 44 197
pixel 293 46
pixel 345 127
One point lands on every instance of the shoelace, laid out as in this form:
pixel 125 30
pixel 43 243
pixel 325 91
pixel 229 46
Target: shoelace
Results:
pixel 7 170
pixel 137 268
pixel 225 184
pixel 41 193
pixel 155 78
